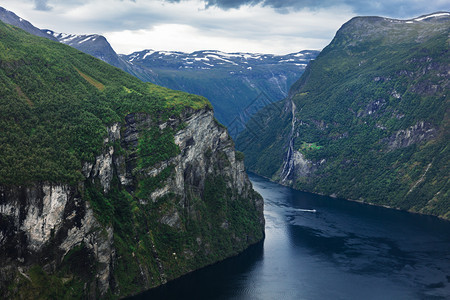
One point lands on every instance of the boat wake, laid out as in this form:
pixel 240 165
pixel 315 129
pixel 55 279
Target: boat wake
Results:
pixel 306 210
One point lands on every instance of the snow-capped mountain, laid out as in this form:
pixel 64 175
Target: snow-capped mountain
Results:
pixel 209 59
pixel 73 39
pixel 430 17
pixel 93 44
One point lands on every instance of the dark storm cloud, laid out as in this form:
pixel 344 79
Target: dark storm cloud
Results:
pixel 392 8
pixel 230 3
pixel 42 5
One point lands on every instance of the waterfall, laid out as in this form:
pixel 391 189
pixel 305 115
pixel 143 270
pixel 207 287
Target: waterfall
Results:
pixel 288 164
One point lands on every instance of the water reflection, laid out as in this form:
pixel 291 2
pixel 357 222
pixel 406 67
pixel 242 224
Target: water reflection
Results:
pixel 215 282
pixel 345 250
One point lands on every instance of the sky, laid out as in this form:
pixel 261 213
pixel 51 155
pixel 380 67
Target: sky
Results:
pixel 257 26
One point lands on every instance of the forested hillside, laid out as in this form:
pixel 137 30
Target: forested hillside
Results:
pixel 368 120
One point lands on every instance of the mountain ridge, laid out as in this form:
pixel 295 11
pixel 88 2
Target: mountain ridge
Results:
pixel 206 58
pixel 11 18
pixel 92 44
pixel 368 120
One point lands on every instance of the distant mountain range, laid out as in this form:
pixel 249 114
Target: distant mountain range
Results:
pixel 210 59
pixel 237 84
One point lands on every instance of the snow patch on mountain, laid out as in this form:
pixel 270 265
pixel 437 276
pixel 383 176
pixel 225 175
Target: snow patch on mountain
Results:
pixel 86 39
pixel 207 59
pixel 435 15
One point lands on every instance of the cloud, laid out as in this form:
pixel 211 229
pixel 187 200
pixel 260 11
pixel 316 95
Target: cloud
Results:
pixel 266 26
pixel 231 3
pixel 42 5
pixel 231 31
pixel 389 8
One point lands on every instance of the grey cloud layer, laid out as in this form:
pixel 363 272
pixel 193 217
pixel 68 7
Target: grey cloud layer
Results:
pixel 388 8
pixel 393 8
pixel 42 5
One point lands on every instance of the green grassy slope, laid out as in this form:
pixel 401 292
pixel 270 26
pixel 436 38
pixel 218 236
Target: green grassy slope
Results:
pixel 375 103
pixel 55 102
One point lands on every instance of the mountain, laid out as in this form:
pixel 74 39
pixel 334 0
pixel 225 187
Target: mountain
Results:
pixel 237 84
pixel 368 120
pixel 108 185
pixel 92 44
pixel 11 18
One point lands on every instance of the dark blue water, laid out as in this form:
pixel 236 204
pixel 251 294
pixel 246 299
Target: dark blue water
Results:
pixel 345 250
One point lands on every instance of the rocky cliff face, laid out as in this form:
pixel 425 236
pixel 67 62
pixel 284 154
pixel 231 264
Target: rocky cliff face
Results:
pixel 416 134
pixel 41 224
pixel 197 204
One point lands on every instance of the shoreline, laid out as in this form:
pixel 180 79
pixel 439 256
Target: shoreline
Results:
pixel 333 195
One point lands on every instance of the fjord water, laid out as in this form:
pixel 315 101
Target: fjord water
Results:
pixel 345 250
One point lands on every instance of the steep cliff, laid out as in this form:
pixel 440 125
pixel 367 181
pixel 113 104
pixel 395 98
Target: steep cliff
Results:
pixel 109 186
pixel 368 120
